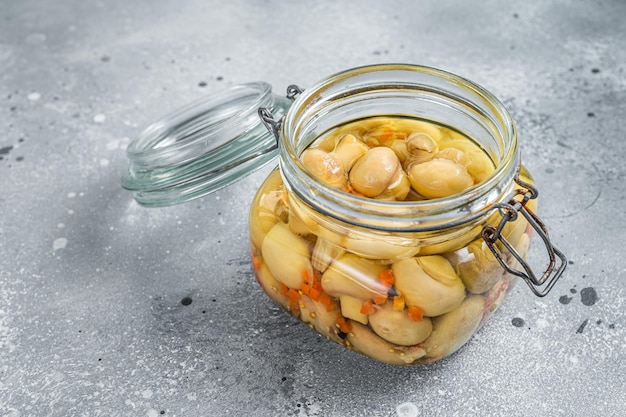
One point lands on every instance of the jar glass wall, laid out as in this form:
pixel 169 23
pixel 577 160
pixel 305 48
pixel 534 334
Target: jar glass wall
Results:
pixel 404 281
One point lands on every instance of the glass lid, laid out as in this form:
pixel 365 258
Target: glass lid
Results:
pixel 203 146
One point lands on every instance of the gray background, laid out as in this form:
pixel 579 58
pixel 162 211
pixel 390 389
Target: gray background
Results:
pixel 91 319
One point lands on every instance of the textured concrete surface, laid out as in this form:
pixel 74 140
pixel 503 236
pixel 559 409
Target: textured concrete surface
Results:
pixel 110 309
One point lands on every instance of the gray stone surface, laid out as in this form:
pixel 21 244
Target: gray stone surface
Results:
pixel 91 285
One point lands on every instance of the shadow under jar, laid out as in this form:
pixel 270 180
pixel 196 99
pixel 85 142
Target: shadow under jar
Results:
pixel 399 216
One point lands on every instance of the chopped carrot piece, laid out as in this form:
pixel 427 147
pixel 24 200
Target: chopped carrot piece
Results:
pixel 314 293
pixel 416 313
pixel 380 299
pixel 387 278
pixel 324 299
pixel 367 307
pixel 293 294
pixel 305 277
pixel 343 325
pixel 283 289
pixel 305 289
pixel 398 303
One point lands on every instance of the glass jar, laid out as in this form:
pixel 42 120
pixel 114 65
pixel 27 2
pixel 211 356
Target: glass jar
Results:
pixel 407 280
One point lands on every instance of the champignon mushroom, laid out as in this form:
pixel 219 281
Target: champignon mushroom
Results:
pixel 319 317
pixel 286 255
pixel 454 328
pixel 480 166
pixel 324 166
pixel 397 327
pixel 349 150
pixel 354 276
pixel 270 285
pixel 263 212
pixel 436 292
pixel 351 309
pixel 366 342
pixel 375 171
pixel 477 266
pixel 439 177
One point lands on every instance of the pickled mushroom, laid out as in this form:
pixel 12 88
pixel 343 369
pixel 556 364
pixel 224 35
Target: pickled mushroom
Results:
pixel 324 253
pixel 439 177
pixel 354 276
pixel 270 285
pixel 351 309
pixel 348 151
pixel 480 166
pixel 375 248
pixel 324 166
pixel 319 317
pixel 264 212
pixel 456 155
pixel 397 327
pixel 366 342
pixel 435 294
pixel 477 266
pixel 454 328
pixel 286 255
pixel 375 171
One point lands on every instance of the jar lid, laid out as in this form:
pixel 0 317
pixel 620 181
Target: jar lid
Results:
pixel 203 146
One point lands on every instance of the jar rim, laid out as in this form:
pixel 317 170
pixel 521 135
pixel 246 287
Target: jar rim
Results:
pixel 421 215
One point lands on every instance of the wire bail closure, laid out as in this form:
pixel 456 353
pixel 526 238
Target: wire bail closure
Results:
pixel 509 212
pixel 273 125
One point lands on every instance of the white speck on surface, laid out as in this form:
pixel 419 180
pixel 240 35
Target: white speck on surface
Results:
pixel 113 145
pixel 542 323
pixel 104 162
pixel 61 225
pixel 34 96
pixel 99 118
pixel 59 243
pixel 153 413
pixel 407 409
pixel 147 393
pixel 71 194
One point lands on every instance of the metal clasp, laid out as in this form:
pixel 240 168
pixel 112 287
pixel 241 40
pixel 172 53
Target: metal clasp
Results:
pixel 273 125
pixel 509 212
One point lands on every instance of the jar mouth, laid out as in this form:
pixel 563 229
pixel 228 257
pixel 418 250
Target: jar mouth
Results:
pixel 202 146
pixel 400 90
